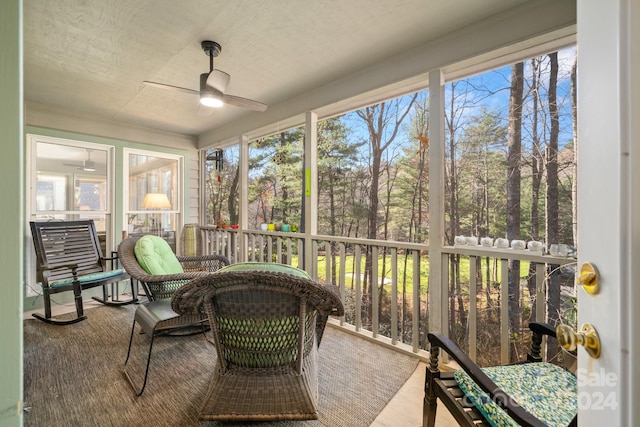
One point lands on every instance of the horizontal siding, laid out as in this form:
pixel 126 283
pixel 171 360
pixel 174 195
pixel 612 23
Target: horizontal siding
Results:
pixel 192 196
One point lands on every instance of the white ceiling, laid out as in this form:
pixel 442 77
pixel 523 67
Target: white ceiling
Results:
pixel 91 56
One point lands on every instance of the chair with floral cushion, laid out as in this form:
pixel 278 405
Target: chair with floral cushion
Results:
pixel 531 394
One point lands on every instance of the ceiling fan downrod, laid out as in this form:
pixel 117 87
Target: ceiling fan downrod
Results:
pixel 211 49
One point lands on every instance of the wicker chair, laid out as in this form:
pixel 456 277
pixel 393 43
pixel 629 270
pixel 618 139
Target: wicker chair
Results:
pixel 156 317
pixel 472 397
pixel 266 327
pixel 158 287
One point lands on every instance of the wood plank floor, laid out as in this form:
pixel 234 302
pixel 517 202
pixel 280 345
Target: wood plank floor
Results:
pixel 405 409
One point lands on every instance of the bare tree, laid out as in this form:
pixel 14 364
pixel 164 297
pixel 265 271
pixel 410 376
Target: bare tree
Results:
pixel 574 123
pixel 514 156
pixel 383 122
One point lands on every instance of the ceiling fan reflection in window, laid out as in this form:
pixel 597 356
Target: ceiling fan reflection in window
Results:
pixel 212 86
pixel 87 164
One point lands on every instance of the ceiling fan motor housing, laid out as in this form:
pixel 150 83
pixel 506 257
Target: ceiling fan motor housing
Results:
pixel 211 48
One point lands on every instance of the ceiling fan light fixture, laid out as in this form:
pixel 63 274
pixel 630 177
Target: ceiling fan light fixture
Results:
pixel 208 97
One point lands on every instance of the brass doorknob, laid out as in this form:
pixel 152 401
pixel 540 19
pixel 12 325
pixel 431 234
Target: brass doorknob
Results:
pixel 587 337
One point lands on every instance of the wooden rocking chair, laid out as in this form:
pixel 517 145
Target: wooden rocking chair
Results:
pixel 474 395
pixel 69 258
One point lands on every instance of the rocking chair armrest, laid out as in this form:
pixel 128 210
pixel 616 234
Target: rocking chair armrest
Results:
pixel 71 266
pixel 509 405
pixel 542 329
pixel 538 330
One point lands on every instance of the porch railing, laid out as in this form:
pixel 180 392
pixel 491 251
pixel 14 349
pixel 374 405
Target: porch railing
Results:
pixel 395 311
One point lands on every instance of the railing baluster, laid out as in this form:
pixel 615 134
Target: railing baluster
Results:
pixel 279 249
pixel 473 296
pixel 314 254
pixel 373 287
pixel 394 296
pixel 343 272
pixel 539 296
pixel 327 263
pixel 504 311
pixel 415 329
pixel 358 274
pixel 289 251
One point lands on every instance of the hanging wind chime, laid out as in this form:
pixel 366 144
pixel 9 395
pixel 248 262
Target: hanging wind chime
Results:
pixel 218 159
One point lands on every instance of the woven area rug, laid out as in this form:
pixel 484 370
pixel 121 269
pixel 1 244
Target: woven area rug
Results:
pixel 73 376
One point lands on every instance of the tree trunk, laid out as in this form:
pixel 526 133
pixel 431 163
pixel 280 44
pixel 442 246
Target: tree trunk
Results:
pixel 378 119
pixel 232 201
pixel 552 193
pixel 513 194
pixel 536 180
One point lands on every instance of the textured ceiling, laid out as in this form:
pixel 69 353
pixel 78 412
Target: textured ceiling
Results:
pixel 91 56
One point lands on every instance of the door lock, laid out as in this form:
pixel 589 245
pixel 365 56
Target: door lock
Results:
pixel 589 278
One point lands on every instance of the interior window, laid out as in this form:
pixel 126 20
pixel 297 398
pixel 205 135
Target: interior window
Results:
pixel 69 180
pixel 153 194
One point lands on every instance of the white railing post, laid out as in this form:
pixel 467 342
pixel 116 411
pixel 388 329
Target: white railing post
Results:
pixel 310 186
pixel 438 313
pixel 243 198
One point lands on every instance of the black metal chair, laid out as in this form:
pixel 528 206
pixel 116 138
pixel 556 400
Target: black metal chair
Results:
pixel 156 317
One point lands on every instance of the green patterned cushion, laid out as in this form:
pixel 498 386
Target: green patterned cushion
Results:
pixel 261 342
pixel 265 266
pixel 545 390
pixel 156 257
pixel 93 277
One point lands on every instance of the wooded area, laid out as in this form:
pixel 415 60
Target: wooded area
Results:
pixel 510 171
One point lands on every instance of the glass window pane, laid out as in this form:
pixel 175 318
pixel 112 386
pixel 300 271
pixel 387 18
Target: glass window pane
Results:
pixel 51 192
pixel 153 204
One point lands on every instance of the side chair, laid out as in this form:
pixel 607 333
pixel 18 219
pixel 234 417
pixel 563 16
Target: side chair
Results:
pixel 532 393
pixel 151 262
pixel 267 321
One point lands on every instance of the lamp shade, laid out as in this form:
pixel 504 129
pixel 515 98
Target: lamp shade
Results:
pixel 156 201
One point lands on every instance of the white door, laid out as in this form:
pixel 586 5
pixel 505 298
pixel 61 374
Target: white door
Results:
pixel 609 207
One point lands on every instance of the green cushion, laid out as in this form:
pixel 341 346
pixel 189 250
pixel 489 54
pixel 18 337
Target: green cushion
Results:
pixel 156 257
pixel 547 391
pixel 265 266
pixel 93 277
pixel 260 342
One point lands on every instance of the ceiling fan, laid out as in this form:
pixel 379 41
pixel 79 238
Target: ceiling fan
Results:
pixel 213 85
pixel 87 164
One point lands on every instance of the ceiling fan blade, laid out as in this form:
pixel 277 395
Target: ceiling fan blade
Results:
pixel 244 103
pixel 177 88
pixel 219 80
